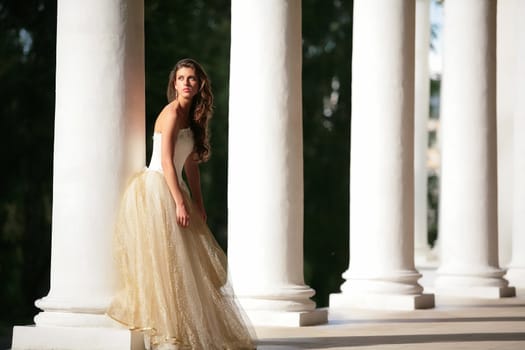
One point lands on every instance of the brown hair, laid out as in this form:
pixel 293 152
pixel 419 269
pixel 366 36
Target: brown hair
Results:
pixel 201 107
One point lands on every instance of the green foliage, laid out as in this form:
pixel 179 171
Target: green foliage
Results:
pixel 433 207
pixel 327 41
pixel 27 62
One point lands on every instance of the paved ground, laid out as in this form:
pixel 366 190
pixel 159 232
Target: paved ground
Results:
pixel 453 324
pixel 470 324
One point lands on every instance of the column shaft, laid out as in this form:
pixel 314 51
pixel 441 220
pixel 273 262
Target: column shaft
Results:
pixel 421 115
pixel 516 272
pixel 381 272
pixel 99 142
pixel 265 170
pixel 507 33
pixel 468 225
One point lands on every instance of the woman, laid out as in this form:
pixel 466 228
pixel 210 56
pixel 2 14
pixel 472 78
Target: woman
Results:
pixel 174 283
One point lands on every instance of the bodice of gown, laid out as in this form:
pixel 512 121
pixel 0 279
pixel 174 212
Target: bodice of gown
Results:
pixel 182 148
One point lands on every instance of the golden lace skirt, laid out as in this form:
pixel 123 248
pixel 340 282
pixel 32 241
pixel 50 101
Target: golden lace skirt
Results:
pixel 173 280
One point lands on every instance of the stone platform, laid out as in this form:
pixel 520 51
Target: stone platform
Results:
pixel 454 324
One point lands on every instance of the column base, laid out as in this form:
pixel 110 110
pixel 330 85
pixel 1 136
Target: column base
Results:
pixel 74 319
pixel 516 276
pixel 289 298
pixel 381 301
pixel 489 292
pixel 288 318
pixel 76 338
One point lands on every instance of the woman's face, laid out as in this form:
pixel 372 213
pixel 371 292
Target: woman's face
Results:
pixel 186 83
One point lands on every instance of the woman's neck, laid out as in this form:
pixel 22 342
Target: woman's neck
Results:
pixel 184 106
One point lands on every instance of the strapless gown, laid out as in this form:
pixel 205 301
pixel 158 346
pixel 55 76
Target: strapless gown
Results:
pixel 173 280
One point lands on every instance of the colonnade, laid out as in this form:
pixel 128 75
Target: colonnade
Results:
pixel 99 142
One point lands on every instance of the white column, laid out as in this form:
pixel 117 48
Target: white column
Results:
pixel 265 169
pixel 516 272
pixel 381 272
pixel 507 30
pixel 469 222
pixel 99 142
pixel 421 116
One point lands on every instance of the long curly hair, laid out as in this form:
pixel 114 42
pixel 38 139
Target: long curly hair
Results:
pixel 201 107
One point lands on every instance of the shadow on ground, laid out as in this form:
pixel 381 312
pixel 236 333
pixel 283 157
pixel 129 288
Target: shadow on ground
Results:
pixel 350 341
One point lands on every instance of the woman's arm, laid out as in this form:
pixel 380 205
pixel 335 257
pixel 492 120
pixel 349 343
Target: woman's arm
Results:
pixel 169 136
pixel 191 168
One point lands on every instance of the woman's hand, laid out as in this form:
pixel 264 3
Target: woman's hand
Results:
pixel 183 218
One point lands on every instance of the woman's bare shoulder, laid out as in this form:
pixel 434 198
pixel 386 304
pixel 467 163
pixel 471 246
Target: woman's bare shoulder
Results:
pixel 170 110
pixel 167 115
